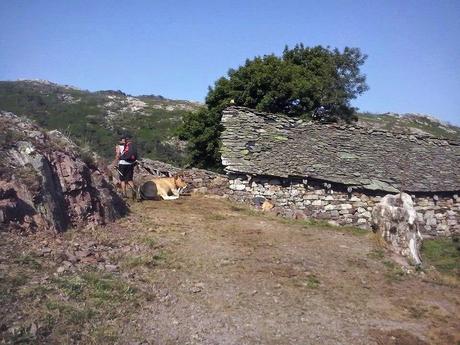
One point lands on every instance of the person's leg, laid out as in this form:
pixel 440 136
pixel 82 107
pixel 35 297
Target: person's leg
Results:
pixel 133 190
pixel 129 179
pixel 123 188
pixel 122 173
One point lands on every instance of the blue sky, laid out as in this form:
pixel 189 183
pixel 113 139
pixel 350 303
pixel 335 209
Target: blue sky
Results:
pixel 179 48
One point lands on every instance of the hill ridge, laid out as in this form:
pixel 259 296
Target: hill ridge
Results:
pixel 96 118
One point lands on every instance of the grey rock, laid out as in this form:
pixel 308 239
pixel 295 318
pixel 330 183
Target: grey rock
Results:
pixel 395 220
pixel 47 185
pixel 111 268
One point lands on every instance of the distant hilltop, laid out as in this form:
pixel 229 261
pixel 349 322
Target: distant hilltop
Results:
pixel 50 84
pixel 112 102
pixel 47 82
pixel 412 122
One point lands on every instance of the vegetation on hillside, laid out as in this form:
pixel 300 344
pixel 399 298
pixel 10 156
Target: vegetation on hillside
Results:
pixel 413 123
pixel 97 119
pixel 297 83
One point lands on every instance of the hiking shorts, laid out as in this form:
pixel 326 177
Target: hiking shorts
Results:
pixel 125 171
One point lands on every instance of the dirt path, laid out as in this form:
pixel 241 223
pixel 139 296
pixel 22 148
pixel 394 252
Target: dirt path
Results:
pixel 235 277
pixel 205 271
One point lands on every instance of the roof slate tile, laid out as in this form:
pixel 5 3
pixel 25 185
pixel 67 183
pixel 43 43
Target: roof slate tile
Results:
pixel 272 144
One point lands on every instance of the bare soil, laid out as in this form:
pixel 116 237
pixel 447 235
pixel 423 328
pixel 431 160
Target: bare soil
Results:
pixel 199 270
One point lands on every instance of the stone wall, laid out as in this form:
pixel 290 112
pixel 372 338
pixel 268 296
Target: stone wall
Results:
pixel 438 215
pixel 206 182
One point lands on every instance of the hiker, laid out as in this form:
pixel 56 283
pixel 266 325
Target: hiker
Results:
pixel 126 155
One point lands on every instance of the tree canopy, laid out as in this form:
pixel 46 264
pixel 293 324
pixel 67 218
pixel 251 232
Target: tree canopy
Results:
pixel 296 83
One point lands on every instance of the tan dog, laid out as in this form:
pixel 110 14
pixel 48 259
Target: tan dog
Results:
pixel 168 188
pixel 267 206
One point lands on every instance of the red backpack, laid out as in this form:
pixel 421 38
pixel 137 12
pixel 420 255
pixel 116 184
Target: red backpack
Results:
pixel 129 153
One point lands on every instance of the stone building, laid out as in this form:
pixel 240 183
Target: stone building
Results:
pixel 339 172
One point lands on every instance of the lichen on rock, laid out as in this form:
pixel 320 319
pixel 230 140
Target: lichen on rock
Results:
pixel 395 220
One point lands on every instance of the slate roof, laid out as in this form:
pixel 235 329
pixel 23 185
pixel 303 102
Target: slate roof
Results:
pixel 259 143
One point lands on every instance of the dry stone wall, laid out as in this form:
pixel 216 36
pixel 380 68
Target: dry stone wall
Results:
pixel 349 169
pixel 437 215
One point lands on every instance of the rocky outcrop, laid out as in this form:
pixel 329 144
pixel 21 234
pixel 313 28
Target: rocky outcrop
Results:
pixel 46 184
pixel 395 220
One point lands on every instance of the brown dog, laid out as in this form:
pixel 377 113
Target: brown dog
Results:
pixel 168 188
pixel 267 206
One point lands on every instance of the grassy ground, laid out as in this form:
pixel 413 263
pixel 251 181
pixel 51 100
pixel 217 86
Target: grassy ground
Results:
pixel 39 306
pixel 205 271
pixel 444 254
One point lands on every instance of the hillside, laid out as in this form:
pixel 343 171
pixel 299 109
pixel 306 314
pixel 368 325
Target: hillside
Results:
pixel 96 119
pixel 414 123
pixel 197 270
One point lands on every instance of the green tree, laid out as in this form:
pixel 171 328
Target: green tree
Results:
pixel 202 131
pixel 295 84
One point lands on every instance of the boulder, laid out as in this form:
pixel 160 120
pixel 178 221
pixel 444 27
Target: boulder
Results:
pixel 395 220
pixel 46 183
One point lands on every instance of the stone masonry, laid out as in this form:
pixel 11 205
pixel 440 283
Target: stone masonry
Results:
pixel 312 199
pixel 339 172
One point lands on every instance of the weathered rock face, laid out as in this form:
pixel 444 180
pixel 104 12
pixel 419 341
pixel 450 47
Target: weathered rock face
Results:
pixel 395 220
pixel 46 185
